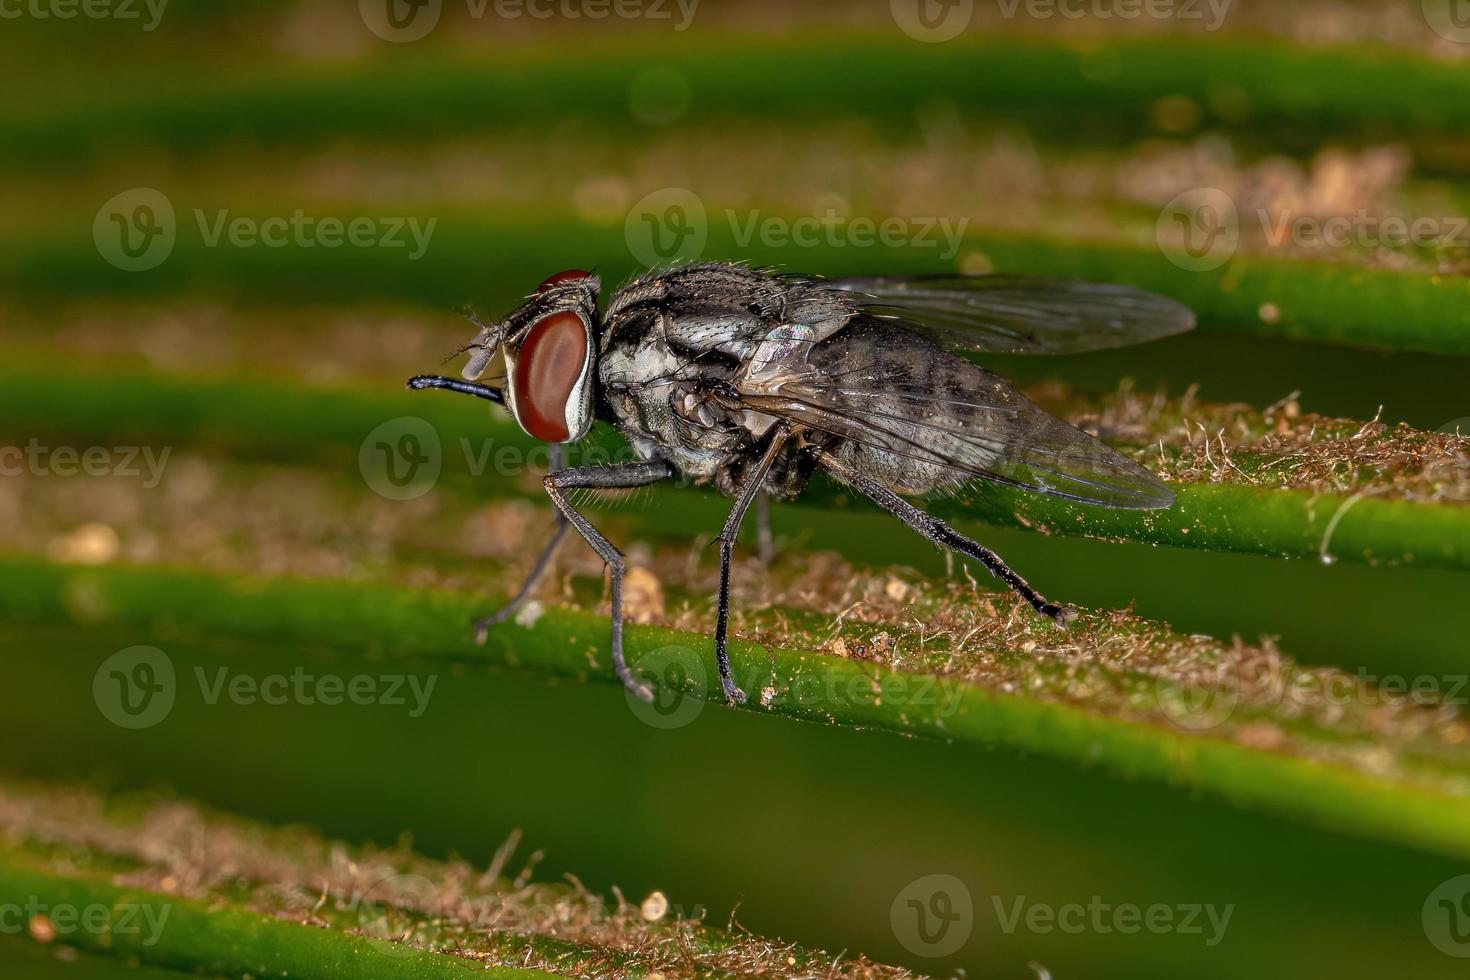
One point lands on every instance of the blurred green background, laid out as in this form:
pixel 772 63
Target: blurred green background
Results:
pixel 476 149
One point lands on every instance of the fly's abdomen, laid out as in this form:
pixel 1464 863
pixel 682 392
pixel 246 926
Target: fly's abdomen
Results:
pixel 904 411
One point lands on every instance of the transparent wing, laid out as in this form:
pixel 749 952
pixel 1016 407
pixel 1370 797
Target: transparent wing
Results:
pixel 1022 314
pixel 924 420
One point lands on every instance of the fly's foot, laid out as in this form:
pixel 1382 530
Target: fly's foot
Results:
pixel 1061 615
pixel 635 687
pixel 733 694
pixel 482 626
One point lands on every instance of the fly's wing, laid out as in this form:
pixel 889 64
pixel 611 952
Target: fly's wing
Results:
pixel 1021 314
pixel 921 420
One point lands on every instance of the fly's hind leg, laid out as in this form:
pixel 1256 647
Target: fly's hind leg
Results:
pixel 945 536
pixel 621 477
pixel 750 491
pixel 765 544
pixel 543 565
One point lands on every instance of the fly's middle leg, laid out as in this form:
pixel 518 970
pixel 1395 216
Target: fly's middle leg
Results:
pixel 623 476
pixel 947 537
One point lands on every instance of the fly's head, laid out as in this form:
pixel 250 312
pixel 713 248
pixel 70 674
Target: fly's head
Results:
pixel 550 347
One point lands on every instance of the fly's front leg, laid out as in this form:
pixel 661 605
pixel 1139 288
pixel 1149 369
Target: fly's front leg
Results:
pixel 621 477
pixel 750 490
pixel 543 564
pixel 945 536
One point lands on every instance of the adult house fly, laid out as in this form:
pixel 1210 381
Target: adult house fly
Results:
pixel 751 381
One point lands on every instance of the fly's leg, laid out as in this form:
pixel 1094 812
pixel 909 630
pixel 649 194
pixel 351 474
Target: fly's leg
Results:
pixel 750 491
pixel 620 477
pixel 543 565
pixel 764 543
pixel 945 536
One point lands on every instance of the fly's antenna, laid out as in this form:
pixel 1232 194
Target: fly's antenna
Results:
pixel 487 341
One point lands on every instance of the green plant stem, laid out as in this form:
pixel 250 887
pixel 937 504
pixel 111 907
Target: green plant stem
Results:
pixel 215 938
pixel 86 870
pixel 1231 80
pixel 1428 812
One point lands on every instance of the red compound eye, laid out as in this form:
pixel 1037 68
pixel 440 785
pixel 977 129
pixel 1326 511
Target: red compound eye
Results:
pixel 548 367
pixel 570 275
